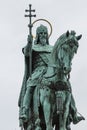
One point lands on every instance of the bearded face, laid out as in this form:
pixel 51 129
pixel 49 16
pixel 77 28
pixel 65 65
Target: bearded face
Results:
pixel 43 37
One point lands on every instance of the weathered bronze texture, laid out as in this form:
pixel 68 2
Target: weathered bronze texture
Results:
pixel 46 98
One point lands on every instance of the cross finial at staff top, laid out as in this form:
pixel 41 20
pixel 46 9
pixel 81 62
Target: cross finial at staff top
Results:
pixel 30 16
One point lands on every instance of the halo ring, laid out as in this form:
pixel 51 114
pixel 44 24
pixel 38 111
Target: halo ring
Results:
pixel 44 21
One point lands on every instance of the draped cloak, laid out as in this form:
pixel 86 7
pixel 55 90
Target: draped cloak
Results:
pixel 44 53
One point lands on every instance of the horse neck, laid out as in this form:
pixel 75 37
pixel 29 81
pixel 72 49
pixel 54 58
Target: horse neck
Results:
pixel 60 74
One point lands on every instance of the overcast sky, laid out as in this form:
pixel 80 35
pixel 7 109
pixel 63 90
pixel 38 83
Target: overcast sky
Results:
pixel 64 15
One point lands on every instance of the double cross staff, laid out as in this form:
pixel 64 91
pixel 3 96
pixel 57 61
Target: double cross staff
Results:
pixel 30 34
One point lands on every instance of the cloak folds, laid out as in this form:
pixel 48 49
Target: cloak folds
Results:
pixel 36 48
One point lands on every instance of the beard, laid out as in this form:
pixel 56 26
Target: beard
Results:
pixel 43 41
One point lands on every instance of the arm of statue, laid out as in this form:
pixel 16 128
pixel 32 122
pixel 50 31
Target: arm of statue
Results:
pixel 27 48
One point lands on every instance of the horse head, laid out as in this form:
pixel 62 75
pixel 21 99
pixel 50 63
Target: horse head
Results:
pixel 64 49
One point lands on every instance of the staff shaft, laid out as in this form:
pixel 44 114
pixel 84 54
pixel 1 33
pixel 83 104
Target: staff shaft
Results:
pixel 30 33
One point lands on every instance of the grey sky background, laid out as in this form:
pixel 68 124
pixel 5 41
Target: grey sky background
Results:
pixel 64 15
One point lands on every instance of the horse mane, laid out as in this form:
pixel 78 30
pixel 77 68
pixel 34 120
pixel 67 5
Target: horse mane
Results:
pixel 61 40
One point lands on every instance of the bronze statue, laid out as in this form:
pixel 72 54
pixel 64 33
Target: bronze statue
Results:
pixel 46 99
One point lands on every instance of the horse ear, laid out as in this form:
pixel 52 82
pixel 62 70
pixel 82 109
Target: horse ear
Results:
pixel 79 37
pixel 67 33
pixel 73 32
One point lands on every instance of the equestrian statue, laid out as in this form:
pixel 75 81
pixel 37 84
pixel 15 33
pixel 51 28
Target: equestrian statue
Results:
pixel 46 101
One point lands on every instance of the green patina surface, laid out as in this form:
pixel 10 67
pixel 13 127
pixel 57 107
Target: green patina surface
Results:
pixel 49 86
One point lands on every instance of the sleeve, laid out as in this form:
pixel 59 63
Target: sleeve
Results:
pixel 25 78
